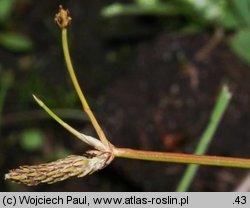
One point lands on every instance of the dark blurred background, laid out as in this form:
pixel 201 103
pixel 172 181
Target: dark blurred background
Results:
pixel 151 71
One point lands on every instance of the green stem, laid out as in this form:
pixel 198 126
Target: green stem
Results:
pixel 82 98
pixel 182 158
pixel 218 112
pixel 85 138
pixel 71 69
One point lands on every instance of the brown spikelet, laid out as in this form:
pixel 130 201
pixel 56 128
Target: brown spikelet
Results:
pixel 62 18
pixel 59 170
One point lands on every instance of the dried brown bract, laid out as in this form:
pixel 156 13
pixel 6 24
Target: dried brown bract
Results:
pixel 61 169
pixel 62 18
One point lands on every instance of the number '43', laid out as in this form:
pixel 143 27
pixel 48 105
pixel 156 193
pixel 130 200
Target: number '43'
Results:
pixel 241 200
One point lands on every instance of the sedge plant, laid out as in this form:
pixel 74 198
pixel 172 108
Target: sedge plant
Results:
pixel 103 152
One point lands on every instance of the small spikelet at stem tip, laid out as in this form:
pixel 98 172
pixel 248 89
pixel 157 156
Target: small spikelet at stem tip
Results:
pixel 62 18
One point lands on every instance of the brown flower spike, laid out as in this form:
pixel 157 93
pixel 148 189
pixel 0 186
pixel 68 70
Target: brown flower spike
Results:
pixel 60 170
pixel 62 18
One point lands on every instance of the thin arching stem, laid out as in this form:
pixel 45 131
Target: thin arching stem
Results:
pixel 77 87
pixel 85 138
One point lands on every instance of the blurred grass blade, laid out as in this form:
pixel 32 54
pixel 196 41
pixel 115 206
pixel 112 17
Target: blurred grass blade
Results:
pixel 218 112
pixel 139 9
pixel 15 42
pixel 147 2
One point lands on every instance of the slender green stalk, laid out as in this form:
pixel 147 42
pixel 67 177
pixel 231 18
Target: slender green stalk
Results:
pixel 218 112
pixel 71 69
pixel 182 158
pixel 85 138
pixel 82 98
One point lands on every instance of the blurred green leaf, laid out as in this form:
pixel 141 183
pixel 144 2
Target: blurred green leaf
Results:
pixel 31 139
pixel 240 43
pixel 147 2
pixel 142 9
pixel 211 10
pixel 5 9
pixel 243 9
pixel 15 42
pixel 229 20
